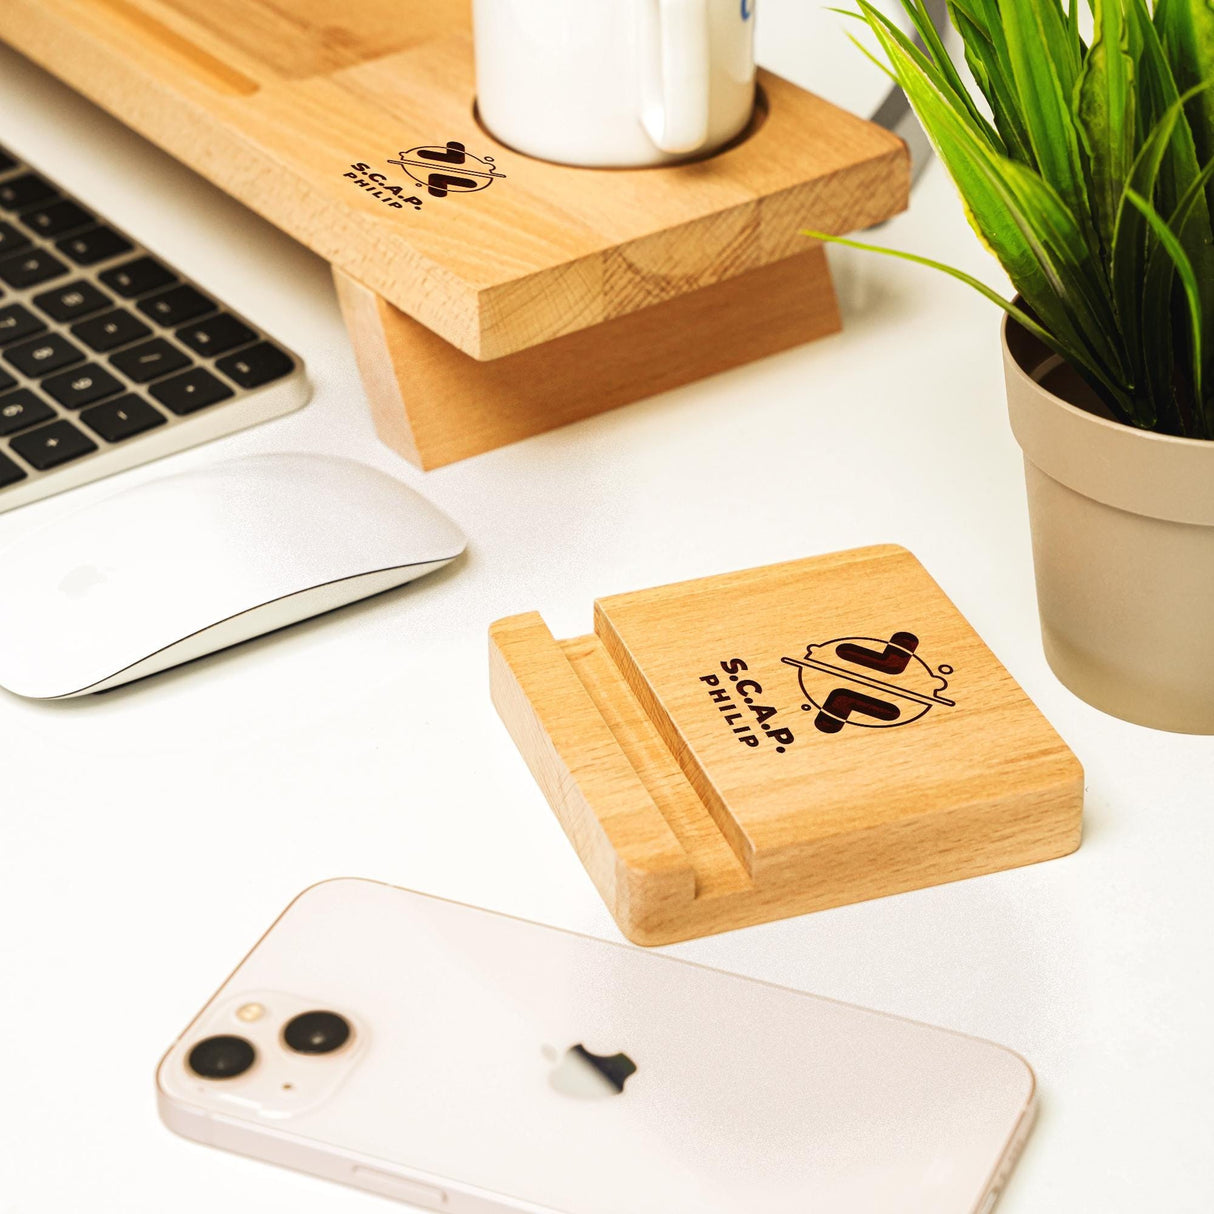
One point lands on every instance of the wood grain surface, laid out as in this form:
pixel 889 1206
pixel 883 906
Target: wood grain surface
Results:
pixel 798 736
pixel 276 102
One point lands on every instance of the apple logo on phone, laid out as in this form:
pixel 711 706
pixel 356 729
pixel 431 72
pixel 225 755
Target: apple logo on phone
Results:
pixel 588 1076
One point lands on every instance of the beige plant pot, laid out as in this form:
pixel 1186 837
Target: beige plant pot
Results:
pixel 1123 547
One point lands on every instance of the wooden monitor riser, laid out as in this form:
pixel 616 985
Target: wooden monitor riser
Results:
pixel 760 744
pixel 278 105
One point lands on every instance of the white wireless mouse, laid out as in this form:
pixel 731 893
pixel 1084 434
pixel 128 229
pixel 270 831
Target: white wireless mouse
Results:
pixel 180 567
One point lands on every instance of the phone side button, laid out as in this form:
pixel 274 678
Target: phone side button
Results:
pixel 403 1189
pixel 989 1204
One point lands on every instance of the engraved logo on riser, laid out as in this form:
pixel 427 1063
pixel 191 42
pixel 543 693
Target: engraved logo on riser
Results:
pixel 449 169
pixel 439 169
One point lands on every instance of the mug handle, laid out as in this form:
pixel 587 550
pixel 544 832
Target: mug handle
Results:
pixel 676 111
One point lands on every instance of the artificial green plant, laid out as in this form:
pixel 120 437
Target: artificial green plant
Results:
pixel 1086 165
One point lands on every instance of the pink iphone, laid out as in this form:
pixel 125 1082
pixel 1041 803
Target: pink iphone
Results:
pixel 469 1062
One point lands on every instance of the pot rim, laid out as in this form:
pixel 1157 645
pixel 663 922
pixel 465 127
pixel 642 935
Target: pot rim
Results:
pixel 1160 476
pixel 1107 423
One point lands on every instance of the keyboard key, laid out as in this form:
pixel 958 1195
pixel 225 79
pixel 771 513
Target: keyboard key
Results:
pixel 110 330
pixel 43 355
pixel 30 268
pixel 214 336
pixel 11 240
pixel 17 322
pixel 72 301
pixel 21 409
pixel 10 473
pixel 82 385
pixel 190 391
pixel 256 366
pixel 49 446
pixel 93 245
pixel 103 343
pixel 137 277
pixel 175 305
pixel 122 418
pixel 55 218
pixel 149 359
pixel 24 191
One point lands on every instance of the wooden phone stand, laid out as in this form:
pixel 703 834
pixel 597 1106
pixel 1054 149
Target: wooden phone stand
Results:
pixel 489 295
pixel 761 744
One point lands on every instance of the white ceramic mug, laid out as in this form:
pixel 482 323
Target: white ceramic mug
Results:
pixel 615 82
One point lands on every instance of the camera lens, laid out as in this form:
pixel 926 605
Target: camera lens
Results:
pixel 316 1032
pixel 221 1057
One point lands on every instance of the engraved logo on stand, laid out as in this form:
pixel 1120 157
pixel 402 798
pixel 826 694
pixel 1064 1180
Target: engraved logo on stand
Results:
pixel 869 682
pixel 750 721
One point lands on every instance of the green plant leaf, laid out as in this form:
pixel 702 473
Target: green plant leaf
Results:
pixel 1070 175
pixel 1157 90
pixel 1062 248
pixel 883 67
pixel 1192 224
pixel 1018 314
pixel 930 36
pixel 1186 29
pixel 1105 106
pixel 987 58
pixel 1072 26
pixel 1131 250
pixel 1190 201
pixel 1157 294
pixel 1046 72
pixel 1046 256
pixel 943 78
pixel 1150 345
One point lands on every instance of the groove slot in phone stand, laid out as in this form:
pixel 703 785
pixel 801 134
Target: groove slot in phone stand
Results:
pixel 761 744
pixel 489 295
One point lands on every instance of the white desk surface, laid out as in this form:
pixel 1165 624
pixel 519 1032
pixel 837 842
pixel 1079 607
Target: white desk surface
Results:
pixel 150 835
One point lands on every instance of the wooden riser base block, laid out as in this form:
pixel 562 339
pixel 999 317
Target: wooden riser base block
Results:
pixel 435 404
pixel 742 748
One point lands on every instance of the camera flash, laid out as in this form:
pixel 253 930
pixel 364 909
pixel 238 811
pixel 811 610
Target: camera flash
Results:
pixel 248 1012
